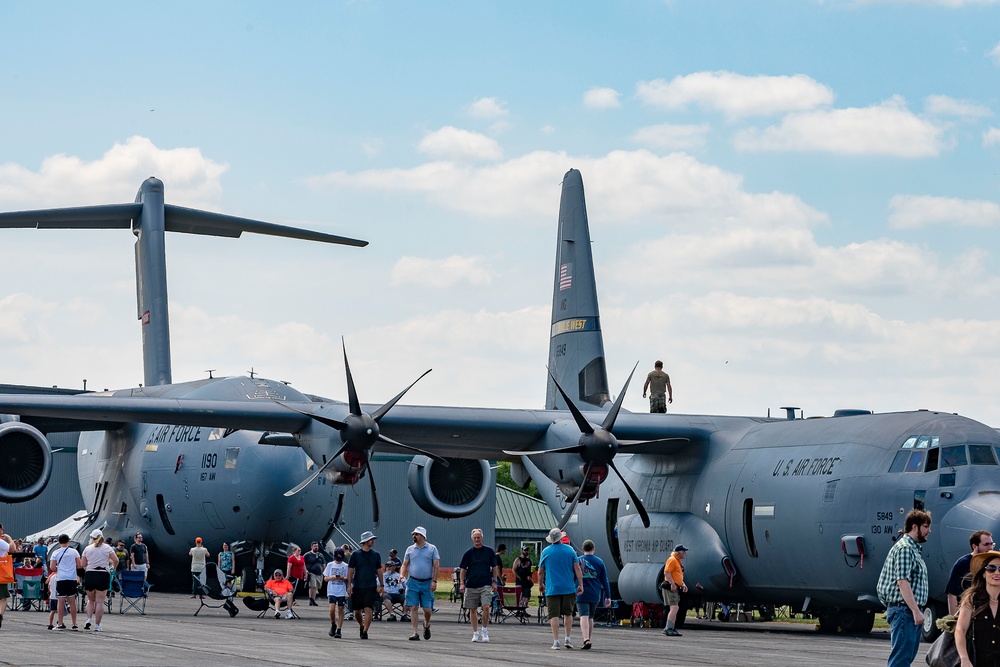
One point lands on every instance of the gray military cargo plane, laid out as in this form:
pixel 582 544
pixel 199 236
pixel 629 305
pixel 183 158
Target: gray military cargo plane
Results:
pixel 774 511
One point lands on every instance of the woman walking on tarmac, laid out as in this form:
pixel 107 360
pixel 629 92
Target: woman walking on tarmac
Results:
pixel 99 560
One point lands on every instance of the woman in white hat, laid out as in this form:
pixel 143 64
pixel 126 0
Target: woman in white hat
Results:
pixel 99 561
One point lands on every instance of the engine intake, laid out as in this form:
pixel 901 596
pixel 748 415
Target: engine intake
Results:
pixel 25 462
pixel 452 492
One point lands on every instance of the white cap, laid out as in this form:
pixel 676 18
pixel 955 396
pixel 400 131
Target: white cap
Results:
pixel 94 534
pixel 420 530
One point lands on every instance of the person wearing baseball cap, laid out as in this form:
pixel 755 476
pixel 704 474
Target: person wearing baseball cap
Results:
pixel 365 583
pixel 421 564
pixel 199 557
pixel 672 587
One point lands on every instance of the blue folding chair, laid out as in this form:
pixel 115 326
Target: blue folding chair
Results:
pixel 134 590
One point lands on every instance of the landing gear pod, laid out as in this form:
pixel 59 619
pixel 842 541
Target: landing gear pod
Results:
pixel 452 492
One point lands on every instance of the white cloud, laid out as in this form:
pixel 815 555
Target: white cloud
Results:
pixel 991 136
pixel 602 98
pixel 64 180
pixel 736 95
pixel 455 144
pixel 885 129
pixel 913 211
pixel 995 54
pixel 671 137
pixel 440 273
pixel 487 107
pixel 942 105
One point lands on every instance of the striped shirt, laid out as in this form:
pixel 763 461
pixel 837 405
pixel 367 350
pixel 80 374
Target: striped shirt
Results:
pixel 904 561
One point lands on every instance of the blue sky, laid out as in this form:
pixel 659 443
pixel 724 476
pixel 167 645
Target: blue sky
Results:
pixel 792 203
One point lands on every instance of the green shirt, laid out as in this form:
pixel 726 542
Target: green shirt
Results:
pixel 904 561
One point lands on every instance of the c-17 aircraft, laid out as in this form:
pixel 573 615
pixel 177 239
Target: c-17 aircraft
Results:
pixel 774 511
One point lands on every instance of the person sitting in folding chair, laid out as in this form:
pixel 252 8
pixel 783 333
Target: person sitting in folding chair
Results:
pixel 280 590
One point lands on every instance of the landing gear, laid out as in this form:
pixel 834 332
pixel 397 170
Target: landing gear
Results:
pixel 857 621
pixel 929 632
pixel 829 622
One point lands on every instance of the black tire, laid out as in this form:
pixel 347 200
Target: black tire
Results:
pixel 857 621
pixel 929 632
pixel 829 622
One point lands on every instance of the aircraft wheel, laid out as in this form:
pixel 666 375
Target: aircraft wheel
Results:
pixel 929 632
pixel 829 622
pixel 857 621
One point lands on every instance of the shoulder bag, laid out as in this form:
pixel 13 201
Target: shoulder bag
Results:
pixel 943 652
pixel 6 570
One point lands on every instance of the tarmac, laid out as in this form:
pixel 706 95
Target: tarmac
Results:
pixel 170 634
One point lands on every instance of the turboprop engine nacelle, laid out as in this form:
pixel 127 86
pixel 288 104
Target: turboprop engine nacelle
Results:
pixel 449 492
pixel 25 462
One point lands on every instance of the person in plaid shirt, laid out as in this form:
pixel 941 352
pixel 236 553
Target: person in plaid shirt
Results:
pixel 902 588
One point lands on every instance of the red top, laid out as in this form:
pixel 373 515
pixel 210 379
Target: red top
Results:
pixel 298 564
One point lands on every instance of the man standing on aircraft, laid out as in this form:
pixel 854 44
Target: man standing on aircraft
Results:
pixel 673 586
pixel 477 583
pixel 364 581
pixel 139 556
pixel 981 541
pixel 421 564
pixel 902 588
pixel 558 571
pixel 315 562
pixel 660 391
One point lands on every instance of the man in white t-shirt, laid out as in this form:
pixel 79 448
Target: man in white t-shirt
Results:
pixel 5 544
pixel 335 574
pixel 65 561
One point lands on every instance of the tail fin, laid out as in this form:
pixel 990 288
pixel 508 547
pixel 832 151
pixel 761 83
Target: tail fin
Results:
pixel 576 345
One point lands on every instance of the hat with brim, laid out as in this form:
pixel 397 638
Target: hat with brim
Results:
pixel 979 560
pixel 554 537
pixel 366 536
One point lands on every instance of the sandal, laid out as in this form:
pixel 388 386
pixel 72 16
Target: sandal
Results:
pixel 586 645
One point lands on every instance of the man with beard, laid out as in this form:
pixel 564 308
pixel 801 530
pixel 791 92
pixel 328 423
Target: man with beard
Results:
pixel 902 588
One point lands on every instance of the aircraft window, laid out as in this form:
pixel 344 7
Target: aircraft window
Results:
pixel 935 441
pixel 916 462
pixel 912 440
pixel 946 479
pixel 932 460
pixel 232 456
pixel 899 463
pixel 981 455
pixel 748 527
pixel 923 441
pixel 953 456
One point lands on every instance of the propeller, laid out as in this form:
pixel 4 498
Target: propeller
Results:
pixel 597 446
pixel 359 432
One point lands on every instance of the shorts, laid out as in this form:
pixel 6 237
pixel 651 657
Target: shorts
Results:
pixel 54 605
pixel 658 403
pixel 4 593
pixel 478 597
pixel 339 600
pixel 671 598
pixel 418 594
pixel 586 608
pixel 364 598
pixel 395 598
pixel 315 580
pixel 560 605
pixel 66 588
pixel 96 580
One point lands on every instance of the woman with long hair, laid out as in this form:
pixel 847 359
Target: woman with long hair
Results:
pixel 99 561
pixel 226 562
pixel 978 612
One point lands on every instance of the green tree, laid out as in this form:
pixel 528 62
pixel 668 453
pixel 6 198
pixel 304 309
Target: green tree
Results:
pixel 504 479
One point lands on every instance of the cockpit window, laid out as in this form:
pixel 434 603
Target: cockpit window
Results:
pixel 932 459
pixel 916 462
pixel 953 456
pixel 923 441
pixel 981 455
pixel 899 463
pixel 910 442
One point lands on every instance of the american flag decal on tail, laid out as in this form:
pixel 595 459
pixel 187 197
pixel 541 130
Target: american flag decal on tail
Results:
pixel 565 276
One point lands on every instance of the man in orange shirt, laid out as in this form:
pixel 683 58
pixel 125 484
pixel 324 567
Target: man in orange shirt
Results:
pixel 673 586
pixel 280 590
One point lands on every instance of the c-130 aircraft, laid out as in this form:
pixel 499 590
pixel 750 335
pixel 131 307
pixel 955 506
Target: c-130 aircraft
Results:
pixel 774 511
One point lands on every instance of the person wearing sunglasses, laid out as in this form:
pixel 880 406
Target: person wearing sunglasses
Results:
pixel 981 541
pixel 978 611
pixel 902 588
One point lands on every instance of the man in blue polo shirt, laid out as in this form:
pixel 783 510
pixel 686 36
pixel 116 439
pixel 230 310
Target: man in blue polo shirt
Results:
pixel 421 564
pixel 560 580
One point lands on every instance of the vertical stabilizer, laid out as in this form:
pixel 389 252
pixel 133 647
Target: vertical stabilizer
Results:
pixel 151 282
pixel 576 345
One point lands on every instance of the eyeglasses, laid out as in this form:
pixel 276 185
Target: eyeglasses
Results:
pixel 992 568
pixel 986 544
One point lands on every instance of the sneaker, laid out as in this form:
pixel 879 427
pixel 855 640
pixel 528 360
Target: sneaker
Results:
pixel 427 632
pixel 484 636
pixel 75 628
pixel 414 638
pixel 288 614
pixel 62 626
pixel 567 643
pixel 86 626
pixel 555 645
pixel 391 618
pixel 333 631
pixel 98 628
pixel 586 645
pixel 277 614
pixel 350 616
pixel 312 603
pixel 337 635
pixel 672 633
pixel 476 637
pixel 364 635
pixel 51 627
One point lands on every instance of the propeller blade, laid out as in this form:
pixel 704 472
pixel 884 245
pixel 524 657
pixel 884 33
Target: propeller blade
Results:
pixel 635 499
pixel 352 393
pixel 572 449
pixel 378 414
pixel 576 499
pixel 371 480
pixel 329 421
pixel 390 441
pixel 291 492
pixel 609 420
pixel 581 421
pixel 639 443
pixel 335 523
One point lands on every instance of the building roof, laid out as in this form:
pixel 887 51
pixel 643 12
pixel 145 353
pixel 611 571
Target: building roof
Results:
pixel 518 511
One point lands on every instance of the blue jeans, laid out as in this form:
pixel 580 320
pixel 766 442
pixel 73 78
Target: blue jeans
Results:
pixel 904 635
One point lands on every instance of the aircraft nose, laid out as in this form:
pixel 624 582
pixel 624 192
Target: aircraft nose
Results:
pixel 980 510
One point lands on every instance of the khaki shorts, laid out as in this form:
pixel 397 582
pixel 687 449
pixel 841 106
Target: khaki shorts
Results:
pixel 560 605
pixel 477 597
pixel 671 598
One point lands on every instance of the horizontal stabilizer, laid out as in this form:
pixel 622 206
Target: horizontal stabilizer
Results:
pixel 194 221
pixel 106 216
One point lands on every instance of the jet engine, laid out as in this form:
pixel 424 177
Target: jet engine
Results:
pixel 449 492
pixel 25 462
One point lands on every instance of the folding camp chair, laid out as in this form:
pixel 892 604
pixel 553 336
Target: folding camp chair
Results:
pixel 133 593
pixel 217 586
pixel 27 588
pixel 510 605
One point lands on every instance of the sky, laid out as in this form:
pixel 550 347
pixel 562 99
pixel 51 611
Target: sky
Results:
pixel 792 203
